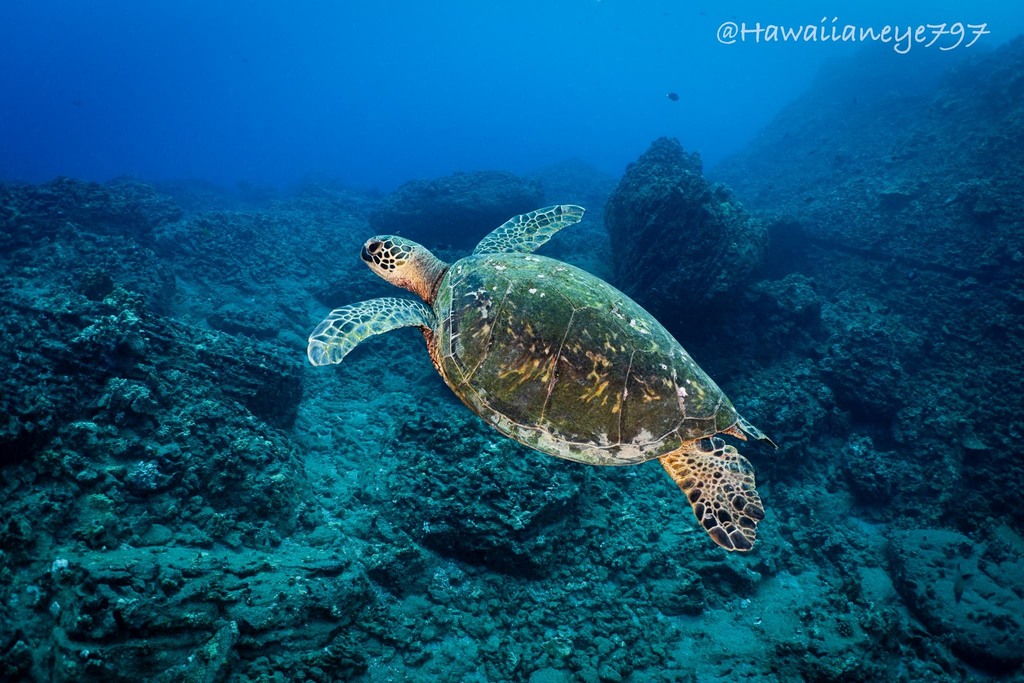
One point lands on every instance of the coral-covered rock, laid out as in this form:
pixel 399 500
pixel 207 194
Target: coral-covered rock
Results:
pixel 681 244
pixel 194 606
pixel 125 207
pixel 919 166
pixel 457 210
pixel 871 354
pixel 865 372
pixel 788 315
pixel 469 493
pixel 254 322
pixel 882 480
pixel 268 385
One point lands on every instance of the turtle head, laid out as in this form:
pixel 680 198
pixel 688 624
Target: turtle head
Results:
pixel 405 264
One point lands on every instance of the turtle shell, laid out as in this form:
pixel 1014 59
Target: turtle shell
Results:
pixel 563 362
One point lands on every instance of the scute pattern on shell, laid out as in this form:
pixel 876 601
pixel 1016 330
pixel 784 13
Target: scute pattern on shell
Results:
pixel 565 363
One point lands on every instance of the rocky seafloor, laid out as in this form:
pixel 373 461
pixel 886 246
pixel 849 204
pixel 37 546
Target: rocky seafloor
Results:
pixel 185 499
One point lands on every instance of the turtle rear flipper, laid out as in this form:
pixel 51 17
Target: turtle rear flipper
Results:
pixel 719 483
pixel 345 327
pixel 528 232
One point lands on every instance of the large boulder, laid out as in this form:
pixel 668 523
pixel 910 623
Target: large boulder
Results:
pixel 457 210
pixel 966 592
pixel 681 245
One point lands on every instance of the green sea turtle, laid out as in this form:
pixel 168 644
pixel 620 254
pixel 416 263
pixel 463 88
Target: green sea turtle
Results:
pixel 561 361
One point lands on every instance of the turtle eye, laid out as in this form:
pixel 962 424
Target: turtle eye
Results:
pixel 370 250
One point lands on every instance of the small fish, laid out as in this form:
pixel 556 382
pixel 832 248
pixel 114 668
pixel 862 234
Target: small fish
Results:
pixel 674 96
pixel 958 583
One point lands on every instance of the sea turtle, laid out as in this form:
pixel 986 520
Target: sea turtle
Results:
pixel 562 362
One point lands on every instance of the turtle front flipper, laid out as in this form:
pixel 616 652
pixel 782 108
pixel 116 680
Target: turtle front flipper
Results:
pixel 719 483
pixel 345 327
pixel 528 232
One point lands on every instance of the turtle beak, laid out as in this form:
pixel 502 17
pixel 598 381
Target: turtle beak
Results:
pixel 365 255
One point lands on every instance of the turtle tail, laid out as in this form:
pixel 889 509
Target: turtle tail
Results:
pixel 742 429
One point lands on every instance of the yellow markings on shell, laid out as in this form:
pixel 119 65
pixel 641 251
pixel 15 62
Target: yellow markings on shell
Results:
pixel 647 393
pixel 483 331
pixel 594 392
pixel 538 362
pixel 598 360
pixel 526 371
pixel 650 395
pixel 546 376
pixel 597 376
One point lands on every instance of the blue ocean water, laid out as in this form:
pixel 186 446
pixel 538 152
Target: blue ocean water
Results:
pixel 820 202
pixel 375 94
